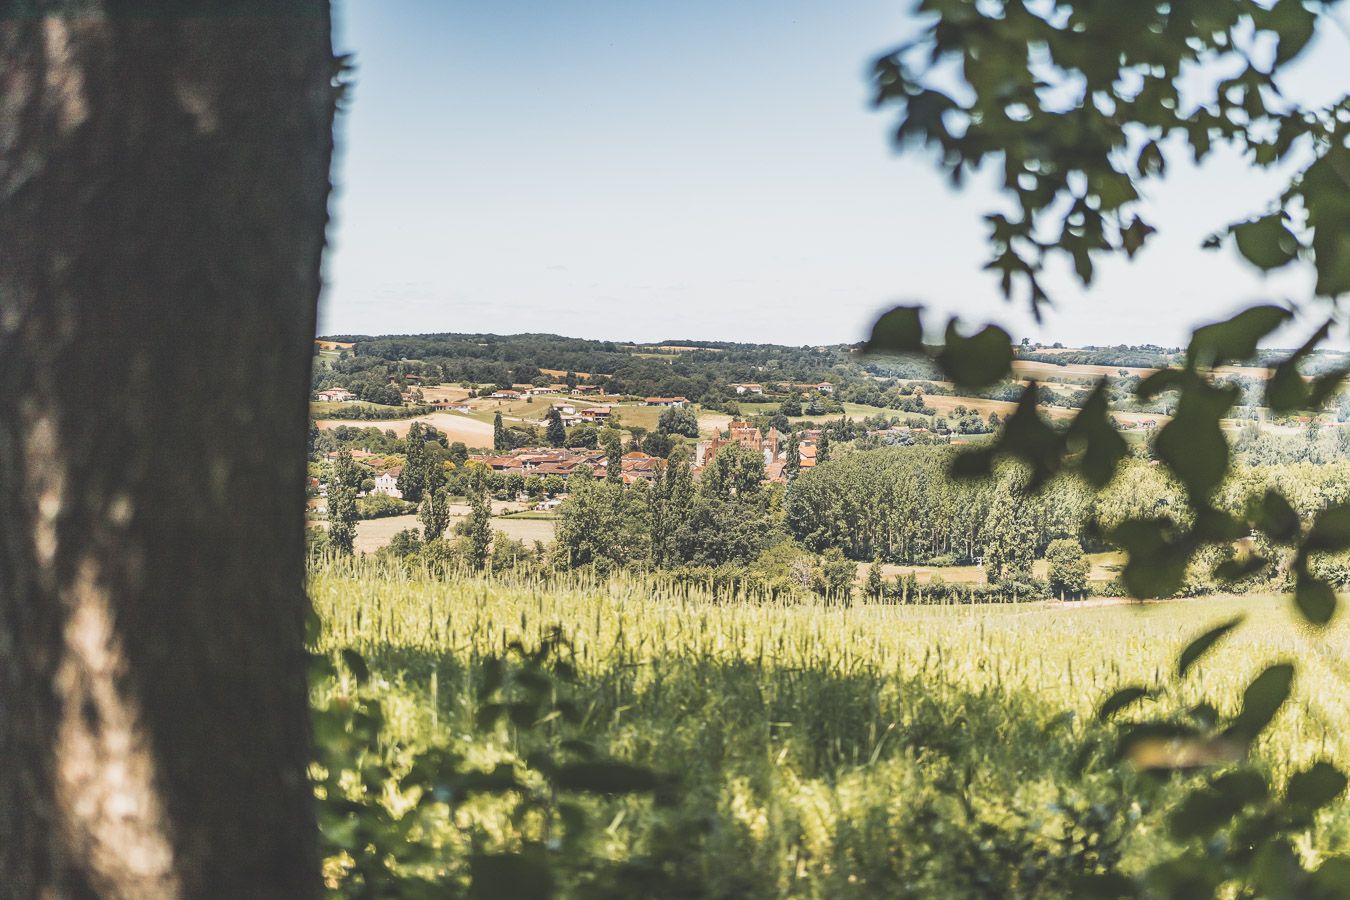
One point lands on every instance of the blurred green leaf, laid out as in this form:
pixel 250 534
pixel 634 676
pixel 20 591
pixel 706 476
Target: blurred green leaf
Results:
pixel 1208 809
pixel 509 875
pixel 1315 598
pixel 1160 382
pixel 1125 697
pixel 356 665
pixel 1276 870
pixel 1236 569
pixel 1235 339
pixel 1266 242
pixel 1156 561
pixel 1316 786
pixel 1286 390
pixel 1261 701
pixel 1193 444
pixel 1276 517
pixel 605 777
pixel 1321 389
pixel 1102 446
pixel 1187 877
pixel 1201 645
pixel 1331 881
pixel 1330 531
pixel 899 330
pixel 979 360
pixel 1294 23
pixel 1025 436
pixel 1325 189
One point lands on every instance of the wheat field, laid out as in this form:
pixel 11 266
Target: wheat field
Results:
pixel 840 751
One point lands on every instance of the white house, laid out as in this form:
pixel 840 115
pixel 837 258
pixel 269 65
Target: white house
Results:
pixel 387 483
pixel 336 395
pixel 667 401
pixel 748 388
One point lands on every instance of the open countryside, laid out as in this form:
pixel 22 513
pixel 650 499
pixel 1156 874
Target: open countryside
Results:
pixel 769 542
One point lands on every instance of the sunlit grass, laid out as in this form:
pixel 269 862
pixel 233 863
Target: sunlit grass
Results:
pixel 818 739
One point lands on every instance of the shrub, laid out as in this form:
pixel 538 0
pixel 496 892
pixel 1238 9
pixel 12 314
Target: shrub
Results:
pixel 379 506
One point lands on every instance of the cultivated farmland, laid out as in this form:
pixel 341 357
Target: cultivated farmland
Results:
pixel 870 751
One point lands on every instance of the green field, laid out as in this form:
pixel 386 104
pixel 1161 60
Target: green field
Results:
pixel 871 751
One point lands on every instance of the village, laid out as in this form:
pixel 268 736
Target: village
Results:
pixel 535 434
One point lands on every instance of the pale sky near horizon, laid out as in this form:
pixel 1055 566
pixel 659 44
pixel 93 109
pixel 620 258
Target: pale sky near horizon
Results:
pixel 644 171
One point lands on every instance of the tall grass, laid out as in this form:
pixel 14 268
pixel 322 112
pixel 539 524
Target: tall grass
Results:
pixel 830 751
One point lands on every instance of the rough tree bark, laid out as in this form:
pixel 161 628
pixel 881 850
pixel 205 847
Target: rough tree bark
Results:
pixel 163 200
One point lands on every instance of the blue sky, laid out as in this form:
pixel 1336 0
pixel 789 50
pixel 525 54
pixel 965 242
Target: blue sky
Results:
pixel 650 171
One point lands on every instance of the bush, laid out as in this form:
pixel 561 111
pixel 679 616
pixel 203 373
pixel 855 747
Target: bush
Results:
pixel 379 506
pixel 405 543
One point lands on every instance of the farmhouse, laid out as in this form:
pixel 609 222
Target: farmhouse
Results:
pixel 335 395
pixel 667 401
pixel 748 388
pixel 387 483
pixel 507 395
pixel 806 451
pixel 595 414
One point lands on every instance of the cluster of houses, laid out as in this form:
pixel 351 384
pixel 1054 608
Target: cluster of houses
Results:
pixel 590 415
pixel 565 462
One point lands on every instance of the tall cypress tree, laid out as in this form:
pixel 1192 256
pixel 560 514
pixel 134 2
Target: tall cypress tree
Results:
pixel 498 434
pixel 874 587
pixel 342 504
pixel 823 447
pixel 1009 536
pixel 412 481
pixel 613 455
pixel 794 456
pixel 477 528
pixel 556 433
pixel 434 514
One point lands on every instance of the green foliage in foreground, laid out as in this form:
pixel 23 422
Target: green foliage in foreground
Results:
pixel 805 751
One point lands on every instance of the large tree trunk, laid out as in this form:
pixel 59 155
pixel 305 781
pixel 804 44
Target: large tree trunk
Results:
pixel 163 198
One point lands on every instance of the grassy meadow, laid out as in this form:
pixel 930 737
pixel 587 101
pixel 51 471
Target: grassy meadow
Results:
pixel 868 751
